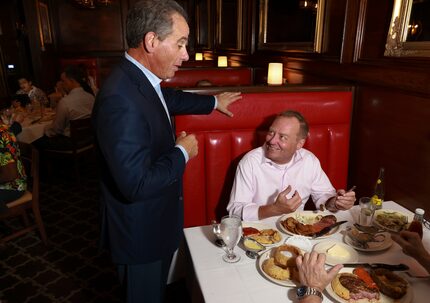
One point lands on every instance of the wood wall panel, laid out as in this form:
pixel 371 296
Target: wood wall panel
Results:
pixel 90 30
pixel 391 129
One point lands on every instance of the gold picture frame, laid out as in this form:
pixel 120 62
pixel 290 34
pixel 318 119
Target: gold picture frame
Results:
pixel 397 44
pixel 44 24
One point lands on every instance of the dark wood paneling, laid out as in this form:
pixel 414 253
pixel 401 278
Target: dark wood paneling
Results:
pixel 391 129
pixel 90 30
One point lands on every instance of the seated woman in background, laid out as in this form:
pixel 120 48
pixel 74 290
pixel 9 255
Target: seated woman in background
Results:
pixel 36 95
pixel 12 174
pixel 19 103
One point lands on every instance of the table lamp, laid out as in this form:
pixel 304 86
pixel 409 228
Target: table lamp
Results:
pixel 199 57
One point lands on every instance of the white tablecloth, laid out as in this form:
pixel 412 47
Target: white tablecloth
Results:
pixel 33 131
pixel 241 281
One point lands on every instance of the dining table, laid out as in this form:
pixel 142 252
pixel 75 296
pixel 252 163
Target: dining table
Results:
pixel 34 125
pixel 243 282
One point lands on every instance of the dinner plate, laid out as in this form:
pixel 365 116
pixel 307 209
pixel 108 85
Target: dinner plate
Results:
pixel 263 257
pixel 336 252
pixel 260 226
pixel 407 298
pixel 305 217
pixel 391 220
pixel 372 246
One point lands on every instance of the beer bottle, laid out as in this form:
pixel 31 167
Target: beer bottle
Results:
pixel 378 194
pixel 417 223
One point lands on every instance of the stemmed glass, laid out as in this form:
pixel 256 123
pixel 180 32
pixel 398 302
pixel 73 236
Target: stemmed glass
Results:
pixel 231 231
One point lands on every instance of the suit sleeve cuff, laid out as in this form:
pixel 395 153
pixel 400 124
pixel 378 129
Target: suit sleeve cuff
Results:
pixel 184 152
pixel 216 103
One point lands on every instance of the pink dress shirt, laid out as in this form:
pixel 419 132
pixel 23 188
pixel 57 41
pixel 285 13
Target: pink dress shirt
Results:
pixel 258 181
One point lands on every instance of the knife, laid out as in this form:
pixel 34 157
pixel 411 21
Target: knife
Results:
pixel 327 229
pixel 392 267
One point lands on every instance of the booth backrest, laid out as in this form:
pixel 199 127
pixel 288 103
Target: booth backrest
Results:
pixel 223 141
pixel 189 77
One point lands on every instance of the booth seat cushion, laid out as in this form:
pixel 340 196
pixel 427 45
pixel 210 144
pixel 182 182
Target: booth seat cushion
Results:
pixel 223 141
pixel 188 77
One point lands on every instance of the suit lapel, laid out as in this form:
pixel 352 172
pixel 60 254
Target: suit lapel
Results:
pixel 146 90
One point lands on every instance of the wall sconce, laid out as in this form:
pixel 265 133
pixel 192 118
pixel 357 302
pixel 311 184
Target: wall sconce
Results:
pixel 274 74
pixel 199 57
pixel 222 61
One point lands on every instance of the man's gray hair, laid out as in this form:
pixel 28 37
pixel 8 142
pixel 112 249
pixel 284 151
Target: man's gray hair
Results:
pixel 151 16
pixel 304 127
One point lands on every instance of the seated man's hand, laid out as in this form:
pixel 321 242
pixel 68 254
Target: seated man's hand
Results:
pixel 344 200
pixel 189 143
pixel 285 205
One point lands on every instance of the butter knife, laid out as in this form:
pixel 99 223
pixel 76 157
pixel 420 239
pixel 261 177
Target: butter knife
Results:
pixel 392 267
pixel 327 229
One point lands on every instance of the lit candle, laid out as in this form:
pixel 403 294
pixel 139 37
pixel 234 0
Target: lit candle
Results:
pixel 274 74
pixel 222 61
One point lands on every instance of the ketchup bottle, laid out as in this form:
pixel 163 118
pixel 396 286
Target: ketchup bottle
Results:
pixel 417 223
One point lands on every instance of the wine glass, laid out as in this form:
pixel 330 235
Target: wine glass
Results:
pixel 231 231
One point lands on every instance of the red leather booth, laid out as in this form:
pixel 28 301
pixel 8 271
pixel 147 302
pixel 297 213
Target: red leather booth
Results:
pixel 188 77
pixel 223 141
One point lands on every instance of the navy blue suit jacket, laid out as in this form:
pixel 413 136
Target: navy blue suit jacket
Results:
pixel 141 170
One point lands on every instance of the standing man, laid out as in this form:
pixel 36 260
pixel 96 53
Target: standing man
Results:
pixel 141 163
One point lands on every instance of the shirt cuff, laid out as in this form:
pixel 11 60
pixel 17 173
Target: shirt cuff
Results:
pixel 216 102
pixel 182 149
pixel 250 212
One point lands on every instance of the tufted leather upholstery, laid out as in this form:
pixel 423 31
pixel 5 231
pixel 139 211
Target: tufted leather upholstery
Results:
pixel 188 77
pixel 223 141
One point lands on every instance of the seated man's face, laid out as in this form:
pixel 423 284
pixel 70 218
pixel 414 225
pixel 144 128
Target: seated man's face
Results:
pixel 282 140
pixel 25 85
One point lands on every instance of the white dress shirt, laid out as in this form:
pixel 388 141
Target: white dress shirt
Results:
pixel 259 180
pixel 78 104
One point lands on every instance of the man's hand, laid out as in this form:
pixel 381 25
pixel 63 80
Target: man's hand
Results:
pixel 281 206
pixel 225 99
pixel 342 201
pixel 189 143
pixel 312 271
pixel 286 206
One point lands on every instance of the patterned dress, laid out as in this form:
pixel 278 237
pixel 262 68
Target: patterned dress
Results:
pixel 9 152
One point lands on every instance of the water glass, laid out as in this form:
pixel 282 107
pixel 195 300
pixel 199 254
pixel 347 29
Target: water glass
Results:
pixel 366 211
pixel 231 231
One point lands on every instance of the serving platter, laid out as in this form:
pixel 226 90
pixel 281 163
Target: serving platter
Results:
pixel 372 245
pixel 391 220
pixel 260 226
pixel 336 252
pixel 306 217
pixel 265 256
pixel 407 298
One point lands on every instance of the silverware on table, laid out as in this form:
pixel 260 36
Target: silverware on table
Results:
pixel 392 267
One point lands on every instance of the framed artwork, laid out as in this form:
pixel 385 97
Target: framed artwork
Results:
pixel 229 24
pixel 409 33
pixel 44 24
pixel 291 25
pixel 203 25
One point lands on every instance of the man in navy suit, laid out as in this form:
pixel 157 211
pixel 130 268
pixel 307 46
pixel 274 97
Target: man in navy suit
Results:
pixel 141 161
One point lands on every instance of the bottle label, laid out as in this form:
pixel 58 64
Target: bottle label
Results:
pixel 376 201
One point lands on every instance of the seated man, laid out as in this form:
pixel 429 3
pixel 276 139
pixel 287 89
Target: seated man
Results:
pixel 78 104
pixel 280 176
